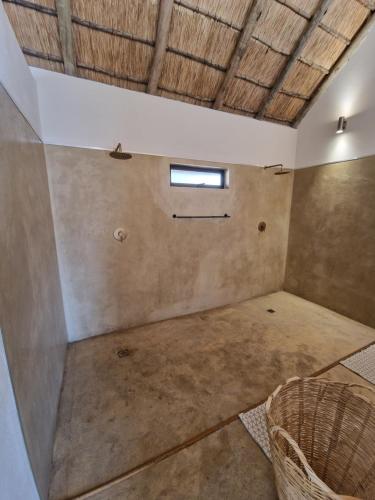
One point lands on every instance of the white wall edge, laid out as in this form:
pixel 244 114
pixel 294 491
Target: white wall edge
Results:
pixel 15 75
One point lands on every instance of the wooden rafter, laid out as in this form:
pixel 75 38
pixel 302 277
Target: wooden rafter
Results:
pixel 243 41
pixel 164 22
pixel 64 20
pixel 361 35
pixel 305 37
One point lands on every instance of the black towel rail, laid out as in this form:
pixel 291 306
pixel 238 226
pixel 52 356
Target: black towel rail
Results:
pixel 225 216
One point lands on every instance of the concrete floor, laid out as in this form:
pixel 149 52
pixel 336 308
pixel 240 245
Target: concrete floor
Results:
pixel 182 378
pixel 225 465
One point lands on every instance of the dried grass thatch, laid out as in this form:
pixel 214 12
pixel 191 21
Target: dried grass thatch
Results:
pixel 201 36
pixel 284 108
pixel 305 7
pixel 110 80
pixel 245 95
pixel 323 49
pixel 259 63
pixel 114 54
pixel 184 98
pixel 34 30
pixel 37 62
pixel 190 78
pixel 237 111
pixel 346 17
pixel 136 17
pixel 45 3
pixel 302 79
pixel 232 12
pixel 114 42
pixel 280 27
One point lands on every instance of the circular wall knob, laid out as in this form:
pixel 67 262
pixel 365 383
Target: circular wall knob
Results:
pixel 120 235
pixel 262 226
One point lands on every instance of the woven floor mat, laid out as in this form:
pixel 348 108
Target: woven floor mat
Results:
pixel 255 423
pixel 362 363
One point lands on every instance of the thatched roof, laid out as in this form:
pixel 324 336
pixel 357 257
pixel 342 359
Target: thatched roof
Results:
pixel 262 58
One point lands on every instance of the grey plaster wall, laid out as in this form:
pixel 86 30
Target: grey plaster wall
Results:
pixel 31 308
pixel 332 238
pixel 17 481
pixel 166 267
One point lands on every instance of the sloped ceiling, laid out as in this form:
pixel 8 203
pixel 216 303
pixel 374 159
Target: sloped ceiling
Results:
pixel 261 58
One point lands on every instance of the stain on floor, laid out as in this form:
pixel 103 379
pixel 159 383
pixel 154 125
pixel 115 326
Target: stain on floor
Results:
pixel 181 377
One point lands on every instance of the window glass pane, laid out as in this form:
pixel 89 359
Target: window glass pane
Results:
pixel 197 177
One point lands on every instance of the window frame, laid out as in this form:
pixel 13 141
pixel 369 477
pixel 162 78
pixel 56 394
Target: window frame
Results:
pixel 192 168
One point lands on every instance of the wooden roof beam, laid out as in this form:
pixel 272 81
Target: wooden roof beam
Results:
pixel 64 21
pixel 315 20
pixel 361 35
pixel 164 23
pixel 252 17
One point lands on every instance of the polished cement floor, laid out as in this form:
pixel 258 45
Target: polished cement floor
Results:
pixel 162 418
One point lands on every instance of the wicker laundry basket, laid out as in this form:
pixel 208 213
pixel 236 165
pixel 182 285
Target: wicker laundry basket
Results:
pixel 322 437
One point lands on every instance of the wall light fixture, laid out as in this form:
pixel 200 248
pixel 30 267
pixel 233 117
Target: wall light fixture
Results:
pixel 341 125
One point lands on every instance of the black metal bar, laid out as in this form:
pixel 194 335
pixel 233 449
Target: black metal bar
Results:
pixel 225 216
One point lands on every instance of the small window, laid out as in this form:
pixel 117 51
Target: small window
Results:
pixel 198 177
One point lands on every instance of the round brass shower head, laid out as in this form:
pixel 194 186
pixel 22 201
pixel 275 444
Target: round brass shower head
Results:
pixel 282 172
pixel 119 154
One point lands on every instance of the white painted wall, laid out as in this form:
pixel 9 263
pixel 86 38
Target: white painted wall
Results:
pixel 16 478
pixel 351 94
pixel 77 112
pixel 15 75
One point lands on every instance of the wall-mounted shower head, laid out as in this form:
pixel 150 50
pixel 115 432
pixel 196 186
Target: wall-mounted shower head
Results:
pixel 282 171
pixel 119 154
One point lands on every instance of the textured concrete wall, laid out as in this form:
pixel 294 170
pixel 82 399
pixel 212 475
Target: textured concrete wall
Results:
pixel 17 481
pixel 31 309
pixel 166 267
pixel 332 238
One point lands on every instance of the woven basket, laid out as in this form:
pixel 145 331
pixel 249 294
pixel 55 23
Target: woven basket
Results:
pixel 322 438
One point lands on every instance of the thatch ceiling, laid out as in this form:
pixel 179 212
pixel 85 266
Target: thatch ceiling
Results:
pixel 262 58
